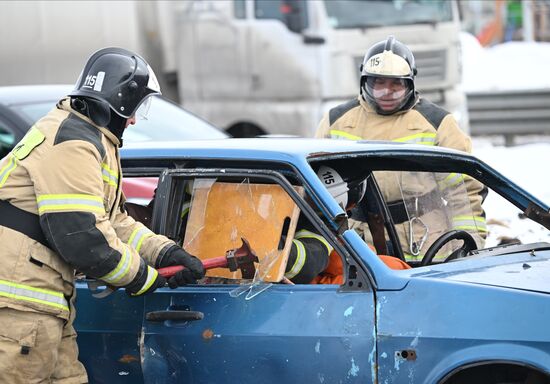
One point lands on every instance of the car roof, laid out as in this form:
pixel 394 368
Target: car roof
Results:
pixel 22 94
pixel 273 149
pixel 299 151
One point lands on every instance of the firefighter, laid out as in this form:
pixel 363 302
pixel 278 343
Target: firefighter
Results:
pixel 312 259
pixel 310 254
pixel 61 211
pixel 389 108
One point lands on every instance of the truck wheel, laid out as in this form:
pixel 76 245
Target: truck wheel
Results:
pixel 245 130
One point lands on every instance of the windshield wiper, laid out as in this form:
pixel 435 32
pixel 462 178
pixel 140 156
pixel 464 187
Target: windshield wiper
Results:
pixel 433 23
pixel 361 26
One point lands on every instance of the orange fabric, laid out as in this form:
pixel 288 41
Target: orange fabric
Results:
pixel 334 272
pixel 394 262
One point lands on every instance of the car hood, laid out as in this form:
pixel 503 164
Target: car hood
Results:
pixel 529 271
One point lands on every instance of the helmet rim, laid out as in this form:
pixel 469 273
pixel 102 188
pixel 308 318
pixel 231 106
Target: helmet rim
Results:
pixel 389 59
pixel 118 77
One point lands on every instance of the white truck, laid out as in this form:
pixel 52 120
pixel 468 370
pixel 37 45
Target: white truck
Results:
pixel 274 67
pixel 250 67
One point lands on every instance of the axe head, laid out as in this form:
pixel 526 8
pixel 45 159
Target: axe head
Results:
pixel 242 258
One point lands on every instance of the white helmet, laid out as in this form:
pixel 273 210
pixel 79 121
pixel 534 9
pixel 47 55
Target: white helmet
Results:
pixel 347 193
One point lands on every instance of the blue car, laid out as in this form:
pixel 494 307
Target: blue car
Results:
pixel 467 311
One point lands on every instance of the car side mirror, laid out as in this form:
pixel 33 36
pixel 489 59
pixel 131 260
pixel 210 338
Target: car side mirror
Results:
pixel 294 12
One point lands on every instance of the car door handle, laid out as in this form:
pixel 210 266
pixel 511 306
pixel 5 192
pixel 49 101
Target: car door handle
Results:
pixel 174 315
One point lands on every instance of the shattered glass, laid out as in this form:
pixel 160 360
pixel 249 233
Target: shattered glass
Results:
pixel 428 207
pixel 221 215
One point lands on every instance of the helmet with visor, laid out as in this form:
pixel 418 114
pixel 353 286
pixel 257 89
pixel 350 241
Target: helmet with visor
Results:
pixel 387 77
pixel 119 79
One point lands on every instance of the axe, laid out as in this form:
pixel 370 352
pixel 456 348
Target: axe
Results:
pixel 241 258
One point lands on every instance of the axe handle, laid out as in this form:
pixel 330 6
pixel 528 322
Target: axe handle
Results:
pixel 215 262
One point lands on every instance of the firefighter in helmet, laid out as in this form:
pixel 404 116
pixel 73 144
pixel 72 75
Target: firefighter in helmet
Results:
pixel 310 254
pixel 61 211
pixel 390 108
pixel 312 259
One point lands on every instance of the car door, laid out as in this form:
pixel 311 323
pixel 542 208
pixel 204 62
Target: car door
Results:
pixel 258 332
pixel 109 331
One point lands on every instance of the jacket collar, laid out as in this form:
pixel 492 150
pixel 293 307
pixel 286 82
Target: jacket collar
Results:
pixel 65 105
pixel 370 109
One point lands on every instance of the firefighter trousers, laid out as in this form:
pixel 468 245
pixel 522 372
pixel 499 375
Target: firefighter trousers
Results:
pixel 38 348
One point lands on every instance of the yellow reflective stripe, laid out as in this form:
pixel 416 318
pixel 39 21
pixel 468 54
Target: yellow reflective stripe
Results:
pixel 475 223
pixel 185 209
pixel 305 234
pixel 300 260
pixel 121 269
pixel 409 257
pixel 151 277
pixel 108 180
pixel 419 138
pixel 70 202
pixel 466 227
pixel 451 180
pixel 5 172
pixel 138 236
pixel 36 295
pixel 336 134
pixel 31 140
pixel 109 175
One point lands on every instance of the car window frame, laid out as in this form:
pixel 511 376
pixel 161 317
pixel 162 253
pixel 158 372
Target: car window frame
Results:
pixel 445 162
pixel 17 125
pixel 166 212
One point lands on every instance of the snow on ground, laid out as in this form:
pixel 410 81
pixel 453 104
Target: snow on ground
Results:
pixel 527 166
pixel 509 66
pixel 506 67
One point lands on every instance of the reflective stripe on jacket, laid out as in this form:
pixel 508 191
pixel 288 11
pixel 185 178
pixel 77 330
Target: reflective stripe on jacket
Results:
pixel 67 172
pixel 308 256
pixel 424 124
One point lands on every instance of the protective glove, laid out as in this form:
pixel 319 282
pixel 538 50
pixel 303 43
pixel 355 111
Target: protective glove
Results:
pixel 177 256
pixel 147 282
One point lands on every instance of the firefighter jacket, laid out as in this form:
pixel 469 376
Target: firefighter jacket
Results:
pixel 425 124
pixel 312 260
pixel 309 256
pixel 63 182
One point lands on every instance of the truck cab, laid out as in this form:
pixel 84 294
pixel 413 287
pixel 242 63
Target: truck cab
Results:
pixel 275 67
